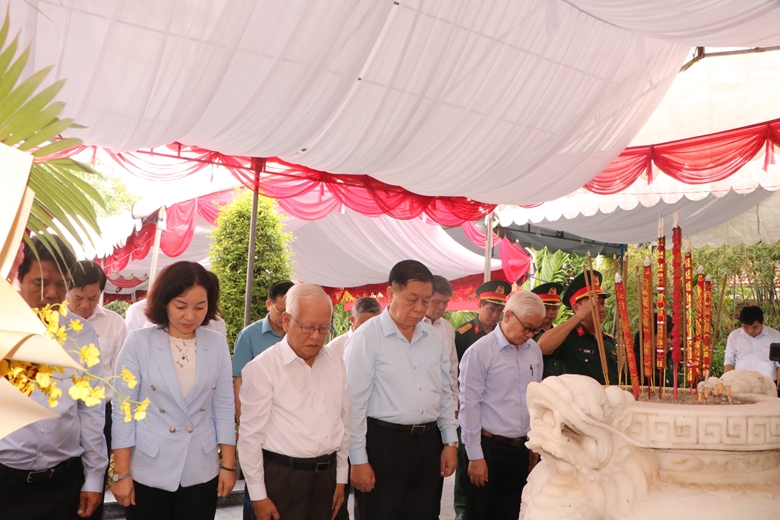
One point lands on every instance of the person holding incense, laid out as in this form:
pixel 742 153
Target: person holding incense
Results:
pixel 550 294
pixel 574 343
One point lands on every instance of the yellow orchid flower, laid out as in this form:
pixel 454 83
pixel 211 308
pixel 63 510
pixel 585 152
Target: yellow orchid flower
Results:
pixel 140 410
pixel 76 325
pixel 89 355
pixel 96 395
pixel 128 378
pixel 125 407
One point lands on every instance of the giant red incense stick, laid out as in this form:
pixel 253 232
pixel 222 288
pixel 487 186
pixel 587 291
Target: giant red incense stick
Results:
pixel 677 298
pixel 647 321
pixel 690 350
pixel 660 336
pixel 620 294
pixel 697 339
pixel 706 328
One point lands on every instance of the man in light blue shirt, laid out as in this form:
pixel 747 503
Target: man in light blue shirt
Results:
pixel 254 340
pixel 54 469
pixel 403 437
pixel 747 348
pixel 494 420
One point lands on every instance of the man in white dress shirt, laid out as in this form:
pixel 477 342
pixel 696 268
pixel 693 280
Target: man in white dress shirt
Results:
pixel 87 283
pixel 748 347
pixel 442 292
pixel 294 436
pixel 363 310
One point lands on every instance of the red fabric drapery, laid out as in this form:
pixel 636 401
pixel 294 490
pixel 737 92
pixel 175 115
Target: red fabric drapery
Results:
pixel 697 160
pixel 179 229
pixel 310 194
pixel 302 192
pixel 515 262
pixel 463 288
pixel 126 283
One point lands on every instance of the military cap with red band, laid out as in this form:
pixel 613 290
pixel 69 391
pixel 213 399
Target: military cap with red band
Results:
pixel 494 291
pixel 577 289
pixel 549 293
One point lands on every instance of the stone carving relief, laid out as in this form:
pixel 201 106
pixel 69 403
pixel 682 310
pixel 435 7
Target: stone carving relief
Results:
pixel 606 456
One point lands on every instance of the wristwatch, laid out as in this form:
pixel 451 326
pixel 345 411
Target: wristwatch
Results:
pixel 116 477
pixel 453 444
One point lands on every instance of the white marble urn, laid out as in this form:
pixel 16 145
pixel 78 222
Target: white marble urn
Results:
pixel 606 456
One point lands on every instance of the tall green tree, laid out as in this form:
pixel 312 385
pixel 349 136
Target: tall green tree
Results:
pixel 228 257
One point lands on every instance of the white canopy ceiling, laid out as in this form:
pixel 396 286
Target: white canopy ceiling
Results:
pixel 502 101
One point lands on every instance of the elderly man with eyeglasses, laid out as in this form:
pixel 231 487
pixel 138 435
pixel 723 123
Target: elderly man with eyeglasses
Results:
pixel 494 374
pixel 294 438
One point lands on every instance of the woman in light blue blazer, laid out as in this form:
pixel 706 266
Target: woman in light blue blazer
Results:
pixel 167 465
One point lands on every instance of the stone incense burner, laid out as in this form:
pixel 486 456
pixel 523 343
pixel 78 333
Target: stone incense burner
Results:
pixel 607 456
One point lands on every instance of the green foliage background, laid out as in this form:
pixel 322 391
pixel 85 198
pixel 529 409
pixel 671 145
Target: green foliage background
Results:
pixel 118 306
pixel 117 198
pixel 228 257
pixel 751 279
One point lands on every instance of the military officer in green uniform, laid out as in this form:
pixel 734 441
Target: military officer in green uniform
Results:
pixel 550 294
pixel 572 343
pixel 492 298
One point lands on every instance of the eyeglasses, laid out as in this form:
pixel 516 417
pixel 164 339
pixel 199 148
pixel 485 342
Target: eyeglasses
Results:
pixel 308 329
pixel 278 310
pixel 526 329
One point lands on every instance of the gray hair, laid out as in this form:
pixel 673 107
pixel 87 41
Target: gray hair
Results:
pixel 442 286
pixel 302 293
pixel 364 305
pixel 525 304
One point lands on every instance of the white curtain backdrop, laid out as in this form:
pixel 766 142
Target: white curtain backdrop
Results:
pixel 341 250
pixel 347 250
pixel 502 101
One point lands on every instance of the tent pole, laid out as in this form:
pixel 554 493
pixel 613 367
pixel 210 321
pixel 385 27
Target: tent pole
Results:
pixel 156 250
pixel 250 263
pixel 488 244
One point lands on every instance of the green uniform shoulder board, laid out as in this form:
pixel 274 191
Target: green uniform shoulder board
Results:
pixel 610 336
pixel 465 328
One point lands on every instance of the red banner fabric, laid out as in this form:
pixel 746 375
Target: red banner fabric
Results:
pixel 463 288
pixel 514 261
pixel 126 283
pixel 696 160
pixel 179 229
pixel 311 194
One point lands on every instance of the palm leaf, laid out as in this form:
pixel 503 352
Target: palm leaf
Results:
pixel 29 120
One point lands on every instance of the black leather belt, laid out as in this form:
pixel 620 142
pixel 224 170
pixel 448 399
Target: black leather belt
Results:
pixel 41 475
pixel 507 441
pixel 318 464
pixel 414 429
